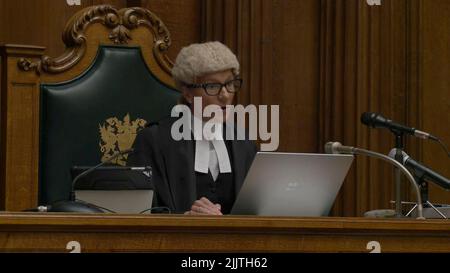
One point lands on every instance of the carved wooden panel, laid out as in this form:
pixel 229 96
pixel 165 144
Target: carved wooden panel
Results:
pixel 119 25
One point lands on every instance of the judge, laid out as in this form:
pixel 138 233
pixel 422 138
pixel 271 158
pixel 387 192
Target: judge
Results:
pixel 197 176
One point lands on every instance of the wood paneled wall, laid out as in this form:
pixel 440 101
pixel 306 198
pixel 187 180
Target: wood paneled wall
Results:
pixel 40 22
pixel 362 69
pixel 323 61
pixel 432 20
pixel 182 18
pixel 326 62
pixel 277 44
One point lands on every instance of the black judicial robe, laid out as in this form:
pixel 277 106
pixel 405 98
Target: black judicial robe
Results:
pixel 172 164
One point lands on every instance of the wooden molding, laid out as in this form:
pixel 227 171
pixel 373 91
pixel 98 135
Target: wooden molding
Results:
pixel 119 22
pixel 133 18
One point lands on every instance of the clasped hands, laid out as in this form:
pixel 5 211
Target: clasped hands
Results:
pixel 204 207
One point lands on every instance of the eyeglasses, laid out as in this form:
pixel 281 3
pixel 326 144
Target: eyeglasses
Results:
pixel 213 89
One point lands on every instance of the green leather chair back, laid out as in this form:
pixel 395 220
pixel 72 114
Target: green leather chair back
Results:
pixel 87 119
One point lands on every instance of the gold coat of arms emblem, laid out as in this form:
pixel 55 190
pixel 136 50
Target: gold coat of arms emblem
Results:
pixel 118 135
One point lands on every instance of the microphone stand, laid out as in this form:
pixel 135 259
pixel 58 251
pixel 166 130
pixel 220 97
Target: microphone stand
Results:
pixel 336 147
pixel 423 185
pixel 398 177
pixel 420 175
pixel 72 205
pixel 402 169
pixel 85 173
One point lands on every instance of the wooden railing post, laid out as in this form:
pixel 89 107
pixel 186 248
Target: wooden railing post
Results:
pixel 19 139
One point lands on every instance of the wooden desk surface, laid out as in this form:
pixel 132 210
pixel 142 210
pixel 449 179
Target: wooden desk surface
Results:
pixel 51 232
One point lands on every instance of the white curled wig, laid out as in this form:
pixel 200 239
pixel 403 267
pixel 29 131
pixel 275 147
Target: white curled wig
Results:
pixel 198 60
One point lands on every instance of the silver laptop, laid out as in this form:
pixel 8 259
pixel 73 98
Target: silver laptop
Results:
pixel 292 184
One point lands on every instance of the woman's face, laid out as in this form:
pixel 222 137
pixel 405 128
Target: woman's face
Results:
pixel 222 99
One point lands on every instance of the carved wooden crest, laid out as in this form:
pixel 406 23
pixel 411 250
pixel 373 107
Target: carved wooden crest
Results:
pixel 120 22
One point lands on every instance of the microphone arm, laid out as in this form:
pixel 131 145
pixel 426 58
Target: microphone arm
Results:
pixel 85 173
pixel 423 172
pixel 338 148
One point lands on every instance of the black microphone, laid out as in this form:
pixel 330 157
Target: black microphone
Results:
pixel 72 205
pixel 376 120
pixel 422 171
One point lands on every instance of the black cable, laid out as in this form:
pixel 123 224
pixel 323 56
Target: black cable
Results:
pixel 157 208
pixel 443 146
pixel 31 210
pixel 105 209
pixel 90 204
pixel 111 211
